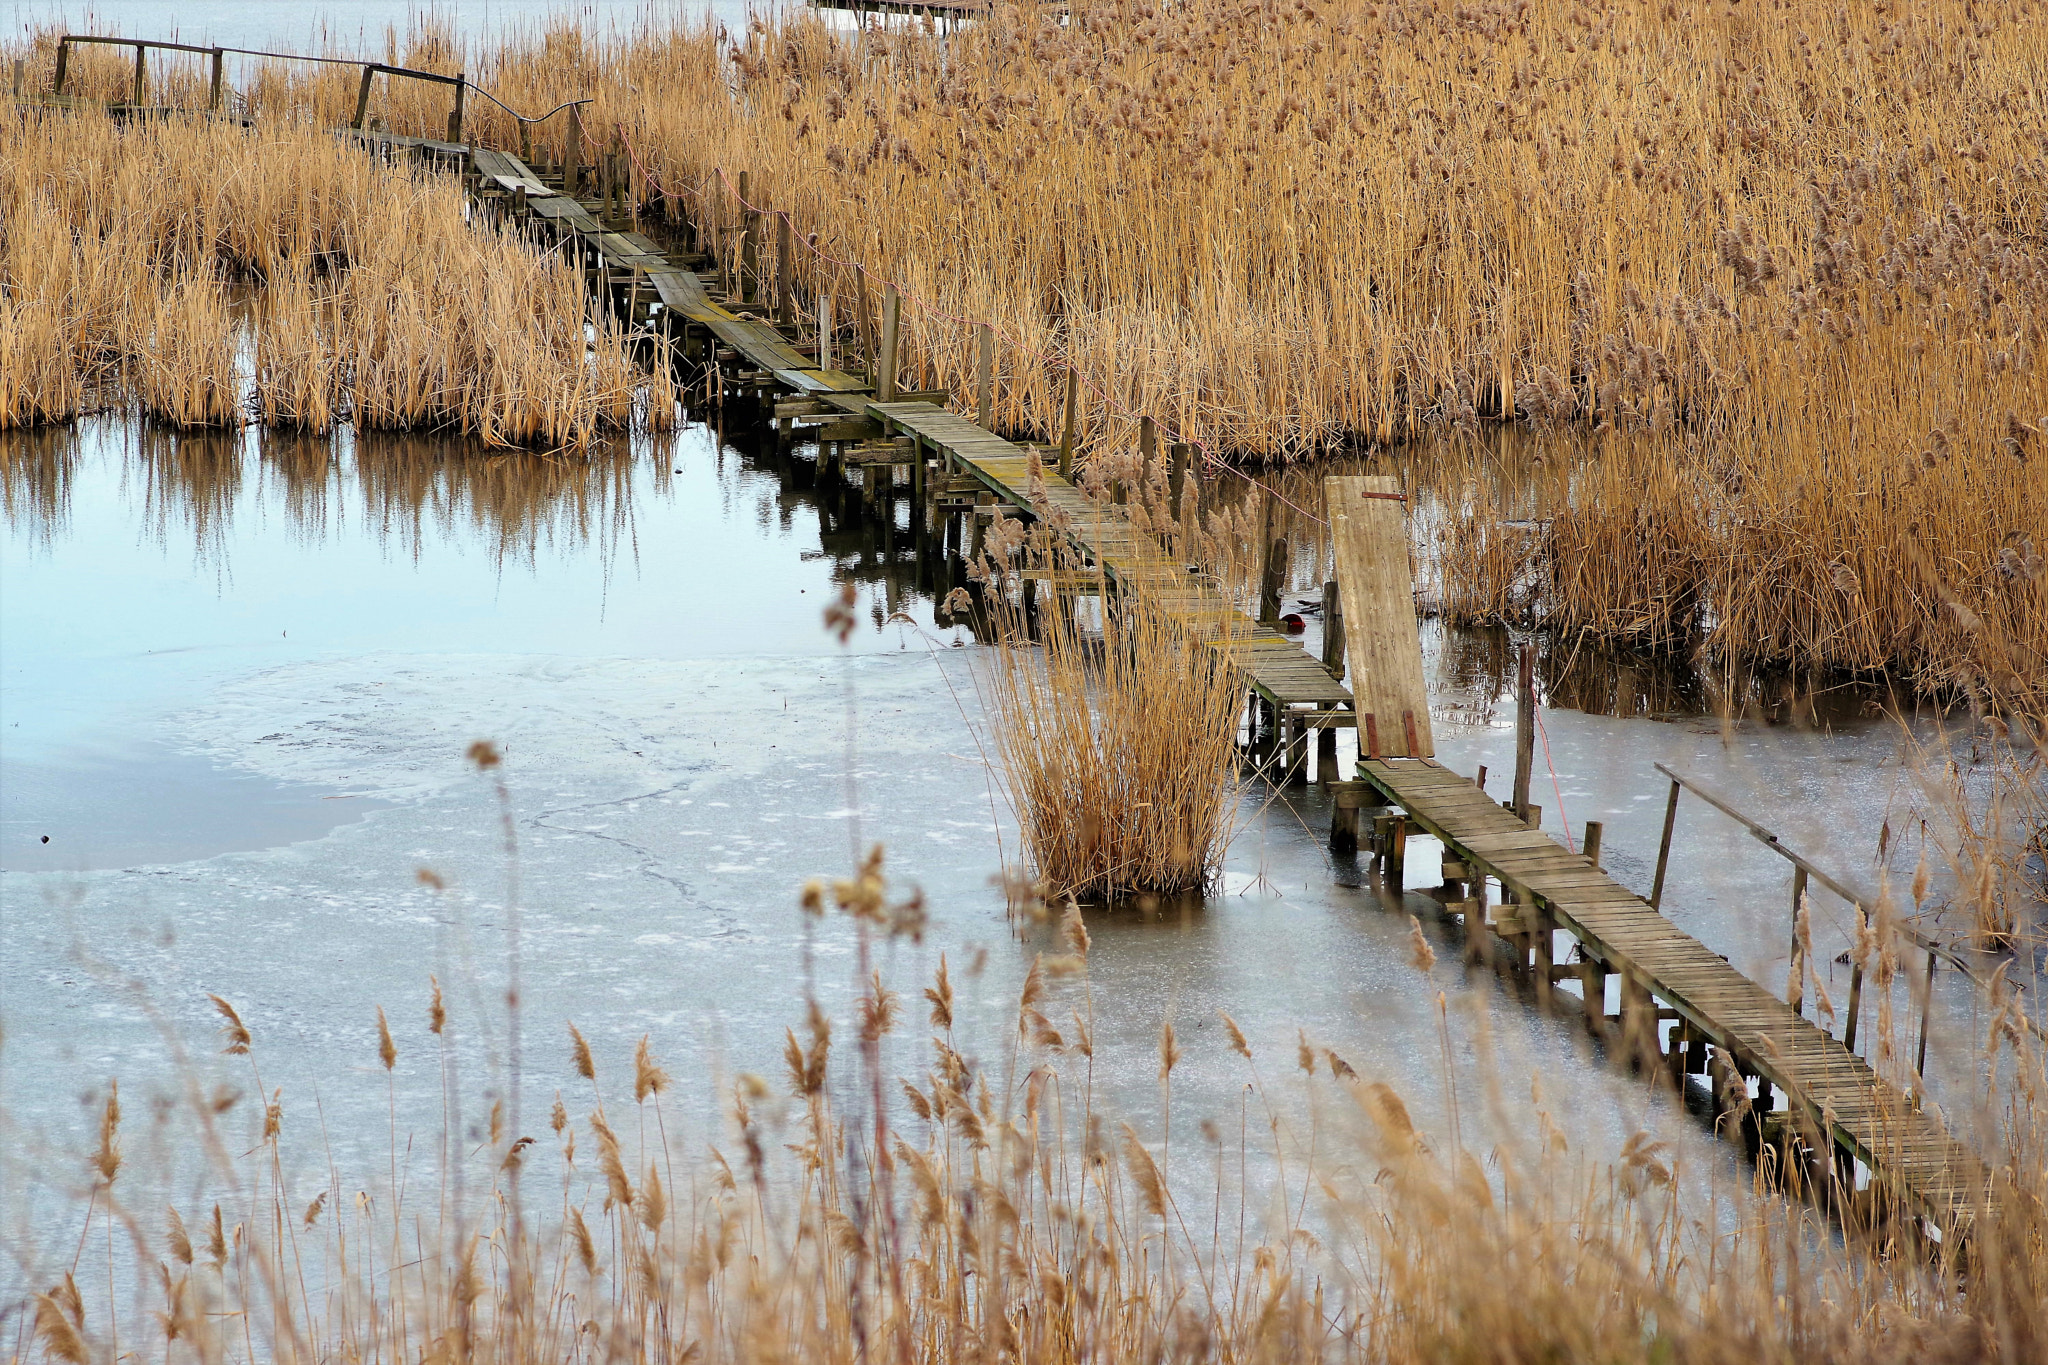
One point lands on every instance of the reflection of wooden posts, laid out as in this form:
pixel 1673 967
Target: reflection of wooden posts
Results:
pixel 985 377
pixel 1593 985
pixel 1525 726
pixel 892 319
pixel 1664 847
pixel 785 263
pixel 1638 1020
pixel 1067 423
pixel 1274 546
pixel 1346 800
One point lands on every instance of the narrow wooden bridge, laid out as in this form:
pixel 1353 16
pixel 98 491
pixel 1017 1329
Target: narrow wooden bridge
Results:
pixel 1678 1004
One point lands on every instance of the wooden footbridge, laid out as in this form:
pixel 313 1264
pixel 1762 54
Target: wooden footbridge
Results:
pixel 1678 1005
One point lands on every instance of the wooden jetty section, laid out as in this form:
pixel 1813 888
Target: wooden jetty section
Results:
pixel 1681 1005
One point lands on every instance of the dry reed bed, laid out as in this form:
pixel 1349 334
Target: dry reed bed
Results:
pixel 981 1208
pixel 1118 745
pixel 384 304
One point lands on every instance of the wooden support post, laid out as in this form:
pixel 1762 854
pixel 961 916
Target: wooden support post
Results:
pixel 1795 986
pixel 985 377
pixel 1664 848
pixel 885 371
pixel 1176 475
pixel 1297 750
pixel 1540 945
pixel 1525 726
pixel 1397 853
pixel 64 64
pixel 572 154
pixel 455 115
pixel 826 358
pixel 1273 575
pixel 750 258
pixel 1476 932
pixel 1333 628
pixel 1067 423
pixel 1326 755
pixel 1593 984
pixel 141 75
pixel 1148 448
pixel 1594 830
pixel 785 264
pixel 1344 807
pixel 214 87
pixel 1638 1020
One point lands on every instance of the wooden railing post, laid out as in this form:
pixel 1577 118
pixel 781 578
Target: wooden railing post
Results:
pixel 1525 726
pixel 885 370
pixel 213 93
pixel 1594 830
pixel 1067 423
pixel 825 356
pixel 572 155
pixel 141 71
pixel 1664 847
pixel 455 118
pixel 363 98
pixel 63 64
pixel 785 263
pixel 985 377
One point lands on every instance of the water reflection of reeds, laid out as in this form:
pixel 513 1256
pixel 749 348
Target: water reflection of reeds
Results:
pixel 37 470
pixel 193 478
pixel 415 491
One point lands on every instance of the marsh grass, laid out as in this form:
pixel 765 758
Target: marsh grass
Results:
pixel 983 1206
pixel 377 298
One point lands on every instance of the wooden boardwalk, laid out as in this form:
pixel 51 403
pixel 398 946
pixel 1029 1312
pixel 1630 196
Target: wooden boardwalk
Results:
pixel 1828 1089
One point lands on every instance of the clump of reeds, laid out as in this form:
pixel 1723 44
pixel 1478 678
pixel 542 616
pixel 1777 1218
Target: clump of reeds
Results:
pixel 1116 720
pixel 375 299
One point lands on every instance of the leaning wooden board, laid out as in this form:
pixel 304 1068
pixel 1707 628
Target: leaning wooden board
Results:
pixel 1369 526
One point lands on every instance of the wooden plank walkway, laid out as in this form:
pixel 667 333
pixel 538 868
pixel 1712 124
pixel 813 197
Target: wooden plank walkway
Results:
pixel 1833 1090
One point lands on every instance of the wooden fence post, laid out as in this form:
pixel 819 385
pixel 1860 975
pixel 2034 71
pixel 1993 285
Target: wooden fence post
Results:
pixel 825 356
pixel 455 118
pixel 363 97
pixel 885 373
pixel 1664 847
pixel 572 154
pixel 1525 726
pixel 985 377
pixel 213 94
pixel 1067 423
pixel 63 65
pixel 1795 989
pixel 785 262
pixel 141 69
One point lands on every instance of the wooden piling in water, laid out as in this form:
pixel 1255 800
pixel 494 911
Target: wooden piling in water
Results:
pixel 885 369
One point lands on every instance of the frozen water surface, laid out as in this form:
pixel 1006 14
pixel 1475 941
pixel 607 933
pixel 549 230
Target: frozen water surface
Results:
pixel 203 642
